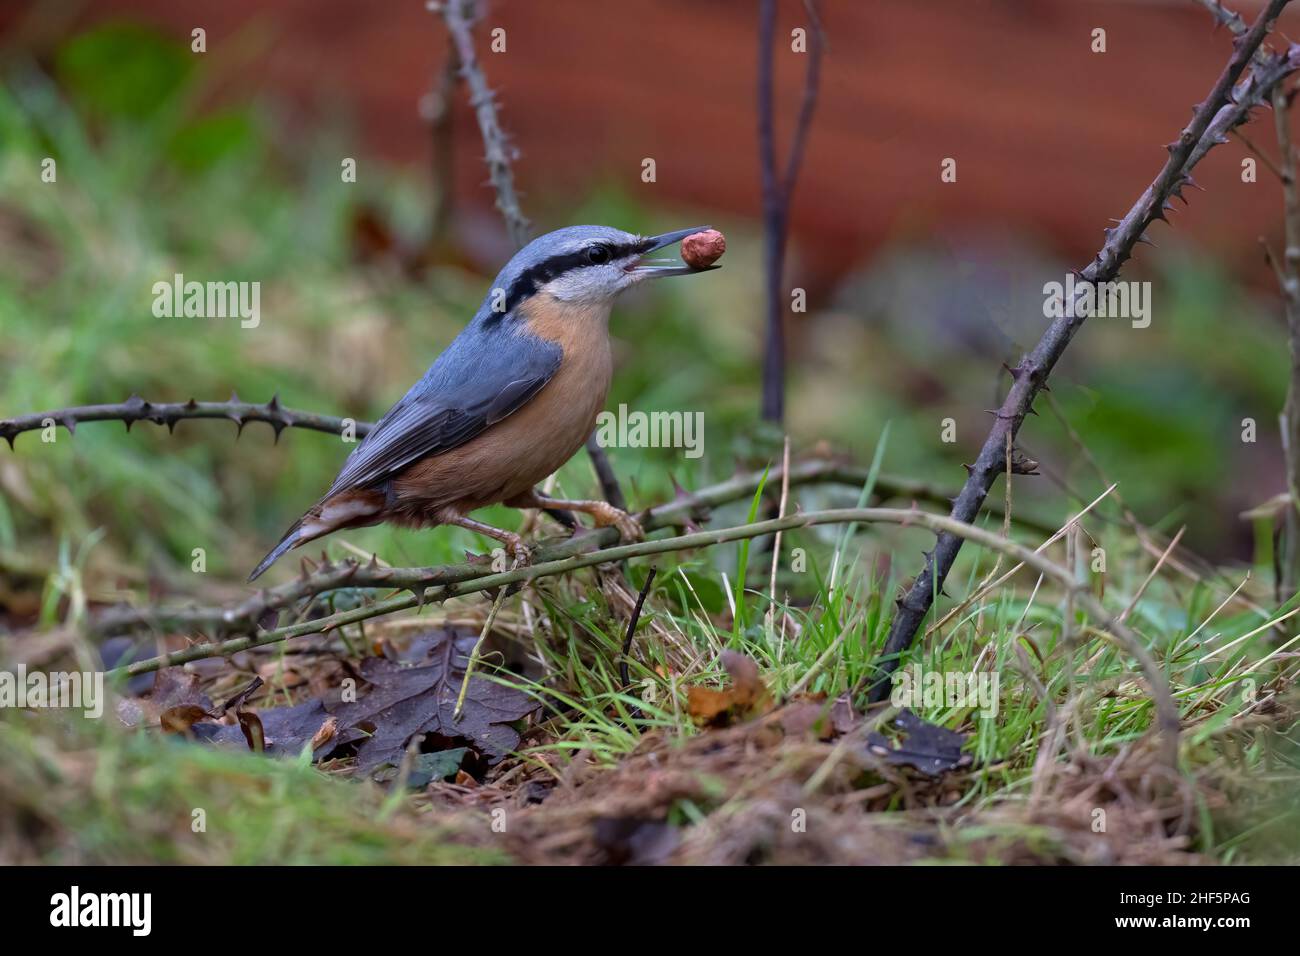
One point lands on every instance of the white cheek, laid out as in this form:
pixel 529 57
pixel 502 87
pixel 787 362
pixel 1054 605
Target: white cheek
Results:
pixel 585 285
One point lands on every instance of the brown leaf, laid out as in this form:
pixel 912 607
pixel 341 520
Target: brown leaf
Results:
pixel 746 694
pixel 325 733
pixel 285 731
pixel 181 719
pixel 251 725
pixel 406 700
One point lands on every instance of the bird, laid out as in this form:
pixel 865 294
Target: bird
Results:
pixel 510 400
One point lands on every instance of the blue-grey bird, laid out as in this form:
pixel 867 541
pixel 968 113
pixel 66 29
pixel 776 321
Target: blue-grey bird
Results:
pixel 513 397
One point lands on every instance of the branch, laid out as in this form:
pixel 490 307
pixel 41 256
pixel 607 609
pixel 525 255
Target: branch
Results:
pixel 1210 123
pixel 1167 720
pixel 136 409
pixel 243 618
pixel 460 16
pixel 778 190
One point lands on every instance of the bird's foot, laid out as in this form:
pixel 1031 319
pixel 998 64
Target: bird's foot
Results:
pixel 629 529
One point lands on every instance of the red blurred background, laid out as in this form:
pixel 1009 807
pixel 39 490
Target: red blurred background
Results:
pixel 1051 139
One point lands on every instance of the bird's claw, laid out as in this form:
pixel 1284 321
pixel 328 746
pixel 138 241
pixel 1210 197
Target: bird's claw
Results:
pixel 629 529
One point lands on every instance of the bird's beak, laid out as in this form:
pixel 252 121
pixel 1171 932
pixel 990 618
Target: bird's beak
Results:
pixel 657 268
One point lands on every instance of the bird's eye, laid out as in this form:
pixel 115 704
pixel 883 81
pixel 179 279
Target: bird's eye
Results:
pixel 598 255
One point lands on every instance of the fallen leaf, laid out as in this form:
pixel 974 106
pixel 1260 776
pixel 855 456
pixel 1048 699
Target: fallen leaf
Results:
pixel 251 725
pixel 325 733
pixel 426 768
pixel 406 700
pixel 927 747
pixel 181 719
pixel 285 731
pixel 746 694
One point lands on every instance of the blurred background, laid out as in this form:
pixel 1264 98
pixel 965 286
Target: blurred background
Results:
pixel 225 165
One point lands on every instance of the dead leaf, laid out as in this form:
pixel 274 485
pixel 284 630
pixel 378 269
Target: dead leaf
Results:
pixel 420 699
pixel 285 731
pixel 251 725
pixel 325 733
pixel 746 694
pixel 918 743
pixel 181 719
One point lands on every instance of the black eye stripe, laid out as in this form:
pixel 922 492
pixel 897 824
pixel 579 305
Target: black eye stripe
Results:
pixel 533 278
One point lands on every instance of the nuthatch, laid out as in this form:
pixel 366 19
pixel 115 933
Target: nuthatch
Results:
pixel 513 397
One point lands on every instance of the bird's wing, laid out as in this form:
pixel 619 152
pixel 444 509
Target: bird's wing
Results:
pixel 476 383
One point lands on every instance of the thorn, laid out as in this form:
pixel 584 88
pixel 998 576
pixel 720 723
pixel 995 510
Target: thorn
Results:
pixel 1031 410
pixel 234 397
pixel 9 437
pixel 191 405
pixel 1144 239
pixel 70 424
pixel 970 469
pixel 274 404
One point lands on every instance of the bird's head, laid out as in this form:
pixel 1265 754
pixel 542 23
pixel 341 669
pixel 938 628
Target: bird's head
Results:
pixel 584 264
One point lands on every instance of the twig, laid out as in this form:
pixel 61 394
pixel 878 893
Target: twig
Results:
pixel 1211 121
pixel 136 409
pixel 609 486
pixel 1167 721
pixel 778 189
pixel 631 627
pixel 460 16
pixel 243 618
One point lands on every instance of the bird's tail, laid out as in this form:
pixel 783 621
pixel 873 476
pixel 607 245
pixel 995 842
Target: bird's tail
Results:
pixel 292 538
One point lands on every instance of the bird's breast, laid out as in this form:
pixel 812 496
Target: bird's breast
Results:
pixel 523 449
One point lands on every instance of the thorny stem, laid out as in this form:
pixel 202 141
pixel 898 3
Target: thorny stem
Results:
pixel 460 16
pixel 1221 111
pixel 243 618
pixel 1167 720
